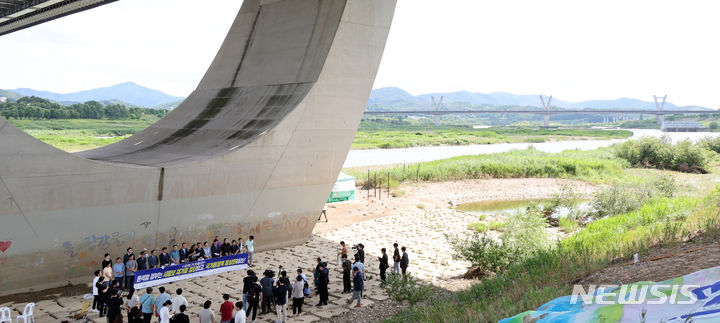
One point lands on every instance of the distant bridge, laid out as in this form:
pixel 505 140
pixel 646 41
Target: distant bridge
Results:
pixel 589 111
pixel 659 113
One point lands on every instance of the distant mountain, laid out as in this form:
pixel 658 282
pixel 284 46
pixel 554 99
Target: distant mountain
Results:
pixel 392 98
pixel 128 92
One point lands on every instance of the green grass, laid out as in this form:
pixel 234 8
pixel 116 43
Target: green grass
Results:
pixel 595 166
pixel 375 135
pixel 82 134
pixel 548 274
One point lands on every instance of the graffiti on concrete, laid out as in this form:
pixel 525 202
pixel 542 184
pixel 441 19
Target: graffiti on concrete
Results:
pixel 5 245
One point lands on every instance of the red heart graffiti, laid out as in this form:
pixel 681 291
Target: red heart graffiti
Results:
pixel 5 245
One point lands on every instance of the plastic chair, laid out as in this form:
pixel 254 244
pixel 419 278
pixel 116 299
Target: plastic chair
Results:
pixel 5 315
pixel 27 314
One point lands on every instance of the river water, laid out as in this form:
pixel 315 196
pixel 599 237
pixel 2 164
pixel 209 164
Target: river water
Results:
pixel 374 157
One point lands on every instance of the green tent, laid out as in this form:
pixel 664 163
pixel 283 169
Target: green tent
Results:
pixel 344 189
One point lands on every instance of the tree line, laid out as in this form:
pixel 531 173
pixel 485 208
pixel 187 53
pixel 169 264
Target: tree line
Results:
pixel 31 107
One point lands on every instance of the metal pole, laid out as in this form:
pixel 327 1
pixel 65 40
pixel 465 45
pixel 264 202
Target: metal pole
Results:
pixel 368 183
pixel 388 177
pixel 380 189
pixel 375 186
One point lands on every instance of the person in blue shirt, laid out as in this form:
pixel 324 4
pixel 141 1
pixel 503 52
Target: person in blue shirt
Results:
pixel 175 255
pixel 357 287
pixel 119 270
pixel 161 299
pixel 147 305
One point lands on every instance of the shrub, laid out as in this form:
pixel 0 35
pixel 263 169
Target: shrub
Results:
pixel 661 153
pixel 497 226
pixel 714 125
pixel 526 231
pixel 484 253
pixel 406 288
pixel 712 144
pixel 568 225
pixel 623 198
pixel 398 193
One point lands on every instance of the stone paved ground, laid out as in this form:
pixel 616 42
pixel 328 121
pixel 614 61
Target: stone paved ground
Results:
pixel 422 232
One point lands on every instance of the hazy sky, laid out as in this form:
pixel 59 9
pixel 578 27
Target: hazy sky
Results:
pixel 575 50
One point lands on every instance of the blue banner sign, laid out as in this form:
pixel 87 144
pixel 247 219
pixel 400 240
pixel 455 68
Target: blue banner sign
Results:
pixel 167 274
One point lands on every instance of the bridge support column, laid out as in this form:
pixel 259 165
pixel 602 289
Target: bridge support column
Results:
pixel 546 120
pixel 437 119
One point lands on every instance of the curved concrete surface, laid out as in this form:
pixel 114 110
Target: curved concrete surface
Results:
pixel 254 150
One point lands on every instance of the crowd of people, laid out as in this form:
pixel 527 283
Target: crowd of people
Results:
pixel 270 294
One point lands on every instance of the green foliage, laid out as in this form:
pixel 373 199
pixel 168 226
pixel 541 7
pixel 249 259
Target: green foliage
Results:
pixel 497 226
pixel 406 288
pixel 714 125
pixel 661 153
pixel 712 144
pixel 81 134
pixel 568 225
pixel 478 227
pixel 484 253
pixel 31 107
pixel 622 198
pixel 526 232
pixel 403 133
pixel 640 124
pixel 549 273
pixel 598 165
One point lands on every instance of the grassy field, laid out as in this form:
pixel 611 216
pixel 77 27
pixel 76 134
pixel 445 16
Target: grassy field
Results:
pixel 375 135
pixel 82 134
pixel 596 166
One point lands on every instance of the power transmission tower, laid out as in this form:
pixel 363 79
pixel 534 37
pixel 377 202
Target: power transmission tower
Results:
pixel 546 107
pixel 436 107
pixel 660 106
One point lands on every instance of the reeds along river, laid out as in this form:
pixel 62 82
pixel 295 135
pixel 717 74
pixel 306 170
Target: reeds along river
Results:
pixel 373 157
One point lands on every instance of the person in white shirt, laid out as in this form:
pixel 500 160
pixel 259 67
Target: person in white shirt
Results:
pixel 96 294
pixel 250 245
pixel 165 313
pixel 240 316
pixel 178 300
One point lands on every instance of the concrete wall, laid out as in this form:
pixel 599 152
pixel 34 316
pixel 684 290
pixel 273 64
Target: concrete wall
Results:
pixel 254 150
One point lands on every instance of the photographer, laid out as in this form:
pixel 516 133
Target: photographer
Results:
pixel 360 254
pixel 113 305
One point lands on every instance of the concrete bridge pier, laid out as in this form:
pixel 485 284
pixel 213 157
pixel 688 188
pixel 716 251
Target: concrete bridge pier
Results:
pixel 546 120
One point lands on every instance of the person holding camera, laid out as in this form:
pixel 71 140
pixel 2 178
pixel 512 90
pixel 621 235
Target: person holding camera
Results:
pixel 113 303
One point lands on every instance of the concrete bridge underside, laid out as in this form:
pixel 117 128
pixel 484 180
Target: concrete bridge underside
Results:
pixel 254 150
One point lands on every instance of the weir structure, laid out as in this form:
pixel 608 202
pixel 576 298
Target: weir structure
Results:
pixel 254 150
